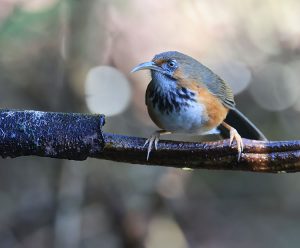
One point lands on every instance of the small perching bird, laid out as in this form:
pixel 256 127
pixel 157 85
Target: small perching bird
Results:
pixel 184 96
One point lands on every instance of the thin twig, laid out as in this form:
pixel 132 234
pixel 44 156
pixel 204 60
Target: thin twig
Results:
pixel 78 136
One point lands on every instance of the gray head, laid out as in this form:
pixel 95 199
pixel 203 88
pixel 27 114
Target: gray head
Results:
pixel 176 66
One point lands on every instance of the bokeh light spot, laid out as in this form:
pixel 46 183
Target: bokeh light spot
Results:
pixel 107 91
pixel 37 5
pixel 236 73
pixel 275 87
pixel 165 232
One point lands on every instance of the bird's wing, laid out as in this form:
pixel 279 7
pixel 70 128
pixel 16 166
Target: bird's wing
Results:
pixel 217 86
pixel 223 91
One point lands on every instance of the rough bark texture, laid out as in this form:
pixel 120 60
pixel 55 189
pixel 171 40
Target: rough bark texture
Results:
pixel 79 136
pixel 57 135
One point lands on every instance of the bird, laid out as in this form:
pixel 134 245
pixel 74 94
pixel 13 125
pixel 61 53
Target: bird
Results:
pixel 185 96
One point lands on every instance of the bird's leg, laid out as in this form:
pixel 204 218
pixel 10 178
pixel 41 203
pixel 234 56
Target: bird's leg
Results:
pixel 235 135
pixel 154 138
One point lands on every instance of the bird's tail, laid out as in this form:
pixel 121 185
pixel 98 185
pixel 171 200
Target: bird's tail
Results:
pixel 243 125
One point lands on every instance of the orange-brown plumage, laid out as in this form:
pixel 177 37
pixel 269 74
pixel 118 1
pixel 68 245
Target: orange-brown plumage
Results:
pixel 216 111
pixel 159 61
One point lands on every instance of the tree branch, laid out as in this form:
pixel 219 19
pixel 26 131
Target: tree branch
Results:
pixel 78 136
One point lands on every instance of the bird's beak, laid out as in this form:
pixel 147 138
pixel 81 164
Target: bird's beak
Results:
pixel 147 66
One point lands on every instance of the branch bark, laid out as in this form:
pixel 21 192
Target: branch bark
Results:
pixel 79 136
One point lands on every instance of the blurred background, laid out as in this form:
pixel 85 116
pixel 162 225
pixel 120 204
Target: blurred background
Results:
pixel 75 56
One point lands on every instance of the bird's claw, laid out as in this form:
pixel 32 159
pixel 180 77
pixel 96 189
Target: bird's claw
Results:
pixel 154 139
pixel 239 142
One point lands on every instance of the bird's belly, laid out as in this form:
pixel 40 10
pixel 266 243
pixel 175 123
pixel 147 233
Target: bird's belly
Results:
pixel 188 119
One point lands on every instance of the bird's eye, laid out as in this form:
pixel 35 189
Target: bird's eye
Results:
pixel 172 63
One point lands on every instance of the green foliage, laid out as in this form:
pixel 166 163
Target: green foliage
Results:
pixel 23 25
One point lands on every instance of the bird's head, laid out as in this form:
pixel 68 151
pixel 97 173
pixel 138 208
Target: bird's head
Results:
pixel 171 66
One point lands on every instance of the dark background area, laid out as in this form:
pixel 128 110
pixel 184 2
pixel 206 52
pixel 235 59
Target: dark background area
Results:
pixel 75 56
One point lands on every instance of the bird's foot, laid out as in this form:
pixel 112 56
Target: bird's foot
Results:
pixel 239 142
pixel 154 139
